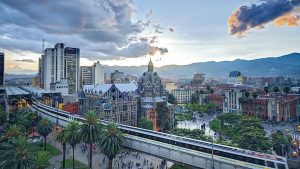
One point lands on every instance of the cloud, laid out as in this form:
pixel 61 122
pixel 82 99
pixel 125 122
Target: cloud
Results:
pixel 25 60
pixel 171 30
pixel 101 29
pixel 288 19
pixel 257 15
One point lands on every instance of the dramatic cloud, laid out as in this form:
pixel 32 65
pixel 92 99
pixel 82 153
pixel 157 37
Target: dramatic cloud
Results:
pixel 25 60
pixel 288 19
pixel 257 15
pixel 102 29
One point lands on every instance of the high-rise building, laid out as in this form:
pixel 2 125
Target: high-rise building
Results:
pixel 92 75
pixel 59 63
pixel 86 75
pixel 1 69
pixel 98 73
pixel 72 59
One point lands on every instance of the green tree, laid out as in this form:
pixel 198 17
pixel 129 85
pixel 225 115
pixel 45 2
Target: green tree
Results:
pixel 41 160
pixel 171 99
pixel 164 120
pixel 111 142
pixel 286 90
pixel 254 140
pixel 13 130
pixel 280 143
pixel 195 98
pixel 276 90
pixel 90 132
pixel 16 153
pixel 23 120
pixel 61 137
pixel 145 123
pixel 72 136
pixel 266 89
pixel 2 116
pixel 255 95
pixel 45 128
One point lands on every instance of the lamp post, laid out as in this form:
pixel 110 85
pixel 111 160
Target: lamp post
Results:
pixel 212 154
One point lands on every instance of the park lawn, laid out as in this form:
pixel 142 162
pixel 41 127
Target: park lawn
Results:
pixel 53 150
pixel 78 164
pixel 179 166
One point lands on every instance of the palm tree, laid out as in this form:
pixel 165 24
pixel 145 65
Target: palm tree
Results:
pixel 111 142
pixel 255 95
pixel 247 94
pixel 2 116
pixel 276 90
pixel 61 137
pixel 42 160
pixel 266 89
pixel 72 136
pixel 23 120
pixel 16 153
pixel 13 131
pixel 90 132
pixel 286 90
pixel 45 128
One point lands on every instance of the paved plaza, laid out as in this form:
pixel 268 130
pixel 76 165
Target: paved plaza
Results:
pixel 126 160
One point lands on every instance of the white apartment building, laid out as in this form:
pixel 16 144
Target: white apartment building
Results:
pixel 182 95
pixel 98 74
pixel 92 75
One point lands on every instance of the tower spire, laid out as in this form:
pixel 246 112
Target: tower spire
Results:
pixel 150 66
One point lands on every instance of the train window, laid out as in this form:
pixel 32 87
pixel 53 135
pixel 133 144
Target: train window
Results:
pixel 280 166
pixel 270 164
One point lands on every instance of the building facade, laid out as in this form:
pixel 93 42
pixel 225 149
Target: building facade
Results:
pixel 182 95
pixel 232 101
pixel 59 63
pixel 117 77
pixel 1 68
pixel 86 74
pixel 97 74
pixel 113 102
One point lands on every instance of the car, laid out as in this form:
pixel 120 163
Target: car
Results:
pixel 294 143
pixel 294 154
pixel 35 139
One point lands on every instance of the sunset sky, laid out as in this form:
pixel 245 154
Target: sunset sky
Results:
pixel 127 33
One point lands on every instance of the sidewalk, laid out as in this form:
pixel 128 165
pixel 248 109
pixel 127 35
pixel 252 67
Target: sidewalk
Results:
pixel 100 161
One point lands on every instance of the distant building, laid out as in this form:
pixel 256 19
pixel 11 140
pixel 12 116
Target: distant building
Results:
pixel 170 86
pixel 198 80
pixel 232 101
pixel 182 95
pixel 1 68
pixel 114 102
pixel 35 81
pixel 61 86
pixel 97 74
pixel 59 63
pixel 72 56
pixel 152 92
pixel 86 74
pixel 92 75
pixel 235 77
pixel 117 77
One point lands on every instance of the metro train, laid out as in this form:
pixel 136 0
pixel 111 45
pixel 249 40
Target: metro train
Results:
pixel 246 158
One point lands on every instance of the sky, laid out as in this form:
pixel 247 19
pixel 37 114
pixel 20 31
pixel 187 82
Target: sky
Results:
pixel 129 32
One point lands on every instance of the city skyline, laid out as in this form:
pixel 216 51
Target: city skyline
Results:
pixel 127 33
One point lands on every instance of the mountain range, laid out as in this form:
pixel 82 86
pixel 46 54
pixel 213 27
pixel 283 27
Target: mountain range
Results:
pixel 286 65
